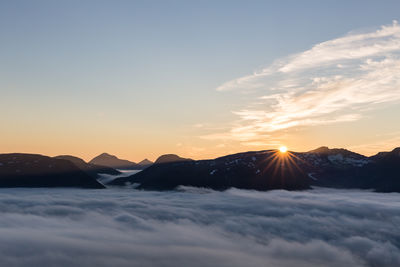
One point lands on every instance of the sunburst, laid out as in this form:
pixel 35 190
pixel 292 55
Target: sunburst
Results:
pixel 282 161
pixel 283 149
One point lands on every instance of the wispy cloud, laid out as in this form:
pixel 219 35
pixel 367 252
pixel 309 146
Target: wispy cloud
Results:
pixel 332 82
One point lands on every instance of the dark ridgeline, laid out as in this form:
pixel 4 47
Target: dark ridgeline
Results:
pixel 170 158
pixel 31 170
pixel 112 161
pixel 251 170
pixel 91 169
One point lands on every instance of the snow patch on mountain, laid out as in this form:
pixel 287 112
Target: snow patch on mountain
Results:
pixel 340 159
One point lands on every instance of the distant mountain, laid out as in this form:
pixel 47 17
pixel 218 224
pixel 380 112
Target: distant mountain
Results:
pixel 92 169
pixel 112 161
pixel 145 163
pixel 170 158
pixel 31 170
pixel 249 170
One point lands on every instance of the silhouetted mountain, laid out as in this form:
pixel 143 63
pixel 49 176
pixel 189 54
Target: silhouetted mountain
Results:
pixel 114 162
pixel 394 154
pixel 331 167
pixel 324 150
pixel 264 170
pixel 170 158
pixel 383 172
pixel 341 168
pixel 336 158
pixel 249 170
pixel 92 169
pixel 31 170
pixel 145 162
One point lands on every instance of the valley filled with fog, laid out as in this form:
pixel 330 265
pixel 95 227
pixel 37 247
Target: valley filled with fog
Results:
pixel 198 227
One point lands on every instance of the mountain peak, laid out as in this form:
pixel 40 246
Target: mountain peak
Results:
pixel 145 162
pixel 396 150
pixel 112 161
pixel 170 158
pixel 106 155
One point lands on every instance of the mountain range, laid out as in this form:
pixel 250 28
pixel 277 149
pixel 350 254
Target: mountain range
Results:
pixel 270 169
pixel 258 170
pixel 244 170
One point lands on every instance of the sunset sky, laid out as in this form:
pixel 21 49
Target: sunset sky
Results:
pixel 201 79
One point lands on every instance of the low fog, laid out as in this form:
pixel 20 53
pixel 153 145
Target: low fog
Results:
pixel 198 227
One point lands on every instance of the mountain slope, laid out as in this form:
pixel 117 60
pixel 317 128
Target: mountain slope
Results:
pixel 31 170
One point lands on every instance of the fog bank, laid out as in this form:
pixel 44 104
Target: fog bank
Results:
pixel 198 227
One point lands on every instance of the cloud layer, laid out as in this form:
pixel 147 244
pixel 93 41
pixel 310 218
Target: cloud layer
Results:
pixel 198 227
pixel 334 81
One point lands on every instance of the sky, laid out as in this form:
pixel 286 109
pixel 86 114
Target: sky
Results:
pixel 201 79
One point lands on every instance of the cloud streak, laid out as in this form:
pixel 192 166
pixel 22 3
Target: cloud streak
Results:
pixel 198 227
pixel 334 81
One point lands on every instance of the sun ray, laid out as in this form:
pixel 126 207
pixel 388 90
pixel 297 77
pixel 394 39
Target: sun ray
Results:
pixel 281 164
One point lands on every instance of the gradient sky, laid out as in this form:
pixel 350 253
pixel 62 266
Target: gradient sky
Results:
pixel 198 78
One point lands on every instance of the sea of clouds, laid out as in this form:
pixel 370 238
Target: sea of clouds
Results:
pixel 198 227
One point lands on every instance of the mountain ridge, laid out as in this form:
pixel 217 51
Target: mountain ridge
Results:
pixel 336 168
pixel 34 170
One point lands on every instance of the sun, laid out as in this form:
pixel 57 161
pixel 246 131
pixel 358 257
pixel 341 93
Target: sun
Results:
pixel 283 149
